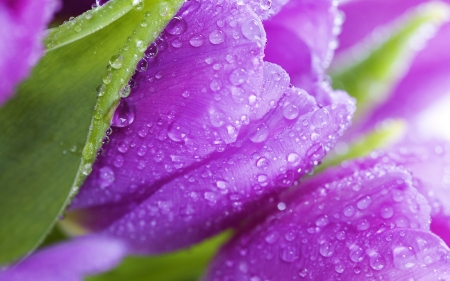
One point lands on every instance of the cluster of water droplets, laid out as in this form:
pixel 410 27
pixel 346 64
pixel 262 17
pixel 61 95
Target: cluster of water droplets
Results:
pixel 368 224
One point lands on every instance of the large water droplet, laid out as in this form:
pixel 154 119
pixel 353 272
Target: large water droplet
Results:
pixel 124 114
pixel 217 119
pixel 327 249
pixel 377 262
pixel 216 37
pixel 356 254
pixel 293 159
pixel 106 177
pixel 364 202
pixel 290 111
pixel 404 257
pixel 238 76
pixel 252 30
pixel 320 118
pixel 189 7
pixel 259 133
pixel 196 40
pixel 116 61
pixel 176 26
pixel 289 254
pixel 178 131
pixel 386 212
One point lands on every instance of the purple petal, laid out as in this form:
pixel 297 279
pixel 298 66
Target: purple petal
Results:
pixel 349 223
pixel 301 39
pixel 69 261
pixel 22 25
pixel 429 165
pixel 208 130
pixel 425 82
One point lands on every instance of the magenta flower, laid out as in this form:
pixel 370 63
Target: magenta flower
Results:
pixel 23 23
pixel 425 81
pixel 210 129
pixel 70 261
pixel 364 220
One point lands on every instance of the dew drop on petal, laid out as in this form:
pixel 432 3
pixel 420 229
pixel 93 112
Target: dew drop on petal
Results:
pixel 377 262
pixel 238 76
pixel 176 26
pixel 178 131
pixel 356 254
pixel 320 118
pixel 216 37
pixel 259 134
pixel 106 177
pixel 290 111
pixel 404 257
pixel 252 30
pixel 196 40
pixel 124 114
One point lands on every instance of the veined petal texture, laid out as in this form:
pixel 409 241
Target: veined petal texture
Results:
pixel 208 130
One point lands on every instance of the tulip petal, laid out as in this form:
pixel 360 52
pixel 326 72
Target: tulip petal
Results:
pixel 70 261
pixel 302 38
pixel 22 26
pixel 427 74
pixel 354 222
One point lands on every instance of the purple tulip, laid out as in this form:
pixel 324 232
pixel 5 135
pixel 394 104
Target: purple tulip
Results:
pixel 22 26
pixel 70 261
pixel 364 220
pixel 426 80
pixel 210 129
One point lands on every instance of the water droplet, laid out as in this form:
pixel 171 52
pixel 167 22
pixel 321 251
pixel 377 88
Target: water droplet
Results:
pixel 196 40
pixel 289 254
pixel 320 118
pixel 100 2
pixel 185 94
pixel 177 43
pixel 222 184
pixel 86 169
pixel 397 195
pixel 364 202
pixel 339 268
pixel 151 51
pixel 124 114
pixel 377 262
pixel 125 91
pixel 118 161
pixel 142 65
pixel 340 235
pixel 386 212
pixel 176 26
pixel 290 111
pixel 363 225
pixel 262 179
pixel 303 272
pixel 106 177
pixel 217 119
pixel 212 197
pixel 116 61
pixel 262 163
pixel 404 257
pixel 322 221
pixel 281 206
pixel 356 254
pixel 293 159
pixel 141 46
pixel 272 237
pixel 216 37
pixel 265 4
pixel 238 76
pixel 259 134
pixel 178 131
pixel 215 85
pixel 315 152
pixel 327 249
pixel 189 7
pixel 252 30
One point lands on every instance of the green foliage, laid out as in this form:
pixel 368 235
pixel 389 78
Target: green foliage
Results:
pixel 186 265
pixel 44 155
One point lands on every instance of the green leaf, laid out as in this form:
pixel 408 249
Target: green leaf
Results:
pixel 186 265
pixel 389 133
pixel 371 70
pixel 44 128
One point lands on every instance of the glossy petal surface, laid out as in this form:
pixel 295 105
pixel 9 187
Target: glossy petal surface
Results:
pixel 70 261
pixel 426 80
pixel 359 222
pixel 22 26
pixel 302 38
pixel 208 129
